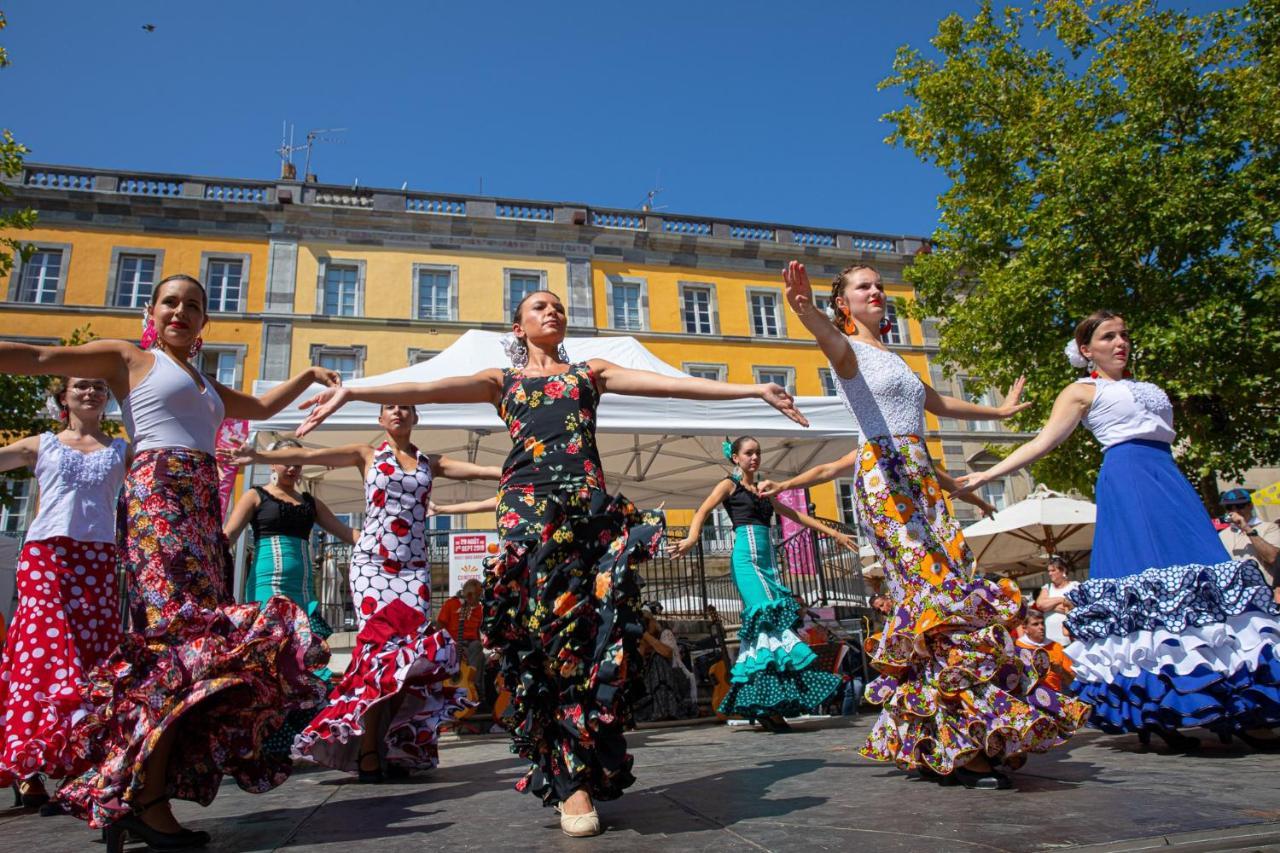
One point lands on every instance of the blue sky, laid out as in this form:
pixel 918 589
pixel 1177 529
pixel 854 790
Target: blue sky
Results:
pixel 738 109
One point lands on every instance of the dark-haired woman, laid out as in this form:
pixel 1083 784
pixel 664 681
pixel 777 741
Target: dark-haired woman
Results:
pixel 957 696
pixel 68 615
pixel 186 696
pixel 562 597
pixel 1168 631
pixel 773 675
pixel 384 715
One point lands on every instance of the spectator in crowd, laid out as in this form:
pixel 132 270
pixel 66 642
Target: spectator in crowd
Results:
pixel 1248 537
pixel 668 685
pixel 1052 600
pixel 1032 637
pixel 461 616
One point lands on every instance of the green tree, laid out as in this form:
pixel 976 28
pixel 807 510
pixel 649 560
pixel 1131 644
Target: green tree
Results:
pixel 1108 155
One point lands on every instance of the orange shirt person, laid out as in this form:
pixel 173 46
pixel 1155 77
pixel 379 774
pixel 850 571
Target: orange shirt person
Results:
pixel 461 615
pixel 1032 636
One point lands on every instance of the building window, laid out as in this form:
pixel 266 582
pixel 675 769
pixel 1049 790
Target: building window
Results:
pixel 828 378
pixel 985 397
pixel 348 362
pixel 435 293
pixel 340 296
pixel 715 372
pixel 135 279
pixel 846 499
pixel 627 302
pixel 224 282
pixel 822 302
pixel 766 313
pixel 223 363
pixel 417 356
pixel 784 376
pixel 519 284
pixel 897 334
pixel 39 277
pixel 993 493
pixel 698 308
pixel 13 518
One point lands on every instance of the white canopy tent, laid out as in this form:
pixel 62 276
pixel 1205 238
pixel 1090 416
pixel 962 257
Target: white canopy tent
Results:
pixel 1018 538
pixel 653 449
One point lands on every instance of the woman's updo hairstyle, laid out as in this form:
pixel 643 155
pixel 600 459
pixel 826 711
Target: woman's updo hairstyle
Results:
pixel 282 443
pixel 1090 324
pixel 838 316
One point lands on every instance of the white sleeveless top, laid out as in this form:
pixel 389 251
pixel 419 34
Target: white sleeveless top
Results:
pixel 1128 410
pixel 78 491
pixel 169 409
pixel 885 396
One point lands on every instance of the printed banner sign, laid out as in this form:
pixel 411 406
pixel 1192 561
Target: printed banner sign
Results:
pixel 231 433
pixel 467 552
pixel 800 549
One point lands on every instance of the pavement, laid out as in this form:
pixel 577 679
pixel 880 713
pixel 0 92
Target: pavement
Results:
pixel 715 788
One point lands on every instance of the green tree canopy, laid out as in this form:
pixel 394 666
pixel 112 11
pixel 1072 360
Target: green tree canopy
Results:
pixel 1113 155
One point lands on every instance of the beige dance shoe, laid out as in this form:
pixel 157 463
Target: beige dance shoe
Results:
pixel 580 825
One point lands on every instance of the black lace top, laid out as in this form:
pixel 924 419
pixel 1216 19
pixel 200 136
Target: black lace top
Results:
pixel 275 517
pixel 746 507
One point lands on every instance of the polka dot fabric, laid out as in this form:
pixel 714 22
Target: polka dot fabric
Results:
pixel 67 621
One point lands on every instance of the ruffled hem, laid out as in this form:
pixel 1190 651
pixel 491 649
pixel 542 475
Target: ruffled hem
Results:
pixel 229 675
pixel 785 693
pixel 1238 643
pixel 904 641
pixel 772 653
pixel 1170 599
pixel 561 606
pixel 396 652
pixel 1224 702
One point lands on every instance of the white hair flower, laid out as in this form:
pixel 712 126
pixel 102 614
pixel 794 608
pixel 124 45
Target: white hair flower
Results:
pixel 1073 354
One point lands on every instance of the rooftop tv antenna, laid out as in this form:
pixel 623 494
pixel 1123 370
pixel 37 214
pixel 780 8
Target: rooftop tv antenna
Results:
pixel 649 198
pixel 287 149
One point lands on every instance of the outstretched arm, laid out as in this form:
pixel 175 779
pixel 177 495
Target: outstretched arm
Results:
pixel 355 455
pixel 1068 409
pixel 843 539
pixel 20 454
pixel 834 345
pixel 824 473
pixel 482 387
pixel 952 407
pixel 455 469
pixel 241 405
pixel 950 486
pixel 685 545
pixel 109 360
pixel 643 383
pixel 463 507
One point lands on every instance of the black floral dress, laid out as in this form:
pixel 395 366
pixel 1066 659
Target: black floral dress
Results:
pixel 562 596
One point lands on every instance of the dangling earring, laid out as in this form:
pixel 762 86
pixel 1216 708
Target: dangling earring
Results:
pixel 196 346
pixel 275 478
pixel 562 354
pixel 736 475
pixel 520 354
pixel 1093 372
pixel 885 327
pixel 149 335
pixel 848 326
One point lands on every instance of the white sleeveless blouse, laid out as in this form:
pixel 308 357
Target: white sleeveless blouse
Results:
pixel 1128 410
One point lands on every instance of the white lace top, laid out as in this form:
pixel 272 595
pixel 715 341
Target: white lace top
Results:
pixel 1128 410
pixel 885 396
pixel 78 491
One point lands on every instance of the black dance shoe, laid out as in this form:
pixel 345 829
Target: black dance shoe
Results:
pixel 29 793
pixel 133 825
pixel 1174 739
pixel 989 780
pixel 369 777
pixel 1261 744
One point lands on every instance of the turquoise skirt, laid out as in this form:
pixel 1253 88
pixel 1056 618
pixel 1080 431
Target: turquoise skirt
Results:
pixel 773 672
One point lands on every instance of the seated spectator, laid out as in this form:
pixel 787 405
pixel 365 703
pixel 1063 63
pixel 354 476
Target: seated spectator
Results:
pixel 1248 537
pixel 668 685
pixel 1032 636
pixel 1052 600
pixel 461 616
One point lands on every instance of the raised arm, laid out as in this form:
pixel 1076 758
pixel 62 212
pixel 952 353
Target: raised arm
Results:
pixel 463 507
pixel 1068 409
pixel 113 361
pixel 240 514
pixel 482 387
pixel 355 455
pixel 824 473
pixel 843 539
pixel 834 344
pixel 643 383
pixel 685 545
pixel 330 524
pixel 952 407
pixel 20 454
pixel 241 405
pixel 456 469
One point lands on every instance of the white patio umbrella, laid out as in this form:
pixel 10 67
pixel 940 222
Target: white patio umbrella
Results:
pixel 1019 536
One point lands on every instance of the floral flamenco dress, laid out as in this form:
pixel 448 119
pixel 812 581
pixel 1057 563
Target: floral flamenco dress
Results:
pixel 562 596
pixel 398 651
pixel 1169 631
pixel 773 672
pixel 68 616
pixel 222 675
pixel 953 683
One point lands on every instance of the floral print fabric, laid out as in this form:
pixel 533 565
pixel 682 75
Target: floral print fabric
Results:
pixel 953 683
pixel 68 619
pixel 228 673
pixel 562 596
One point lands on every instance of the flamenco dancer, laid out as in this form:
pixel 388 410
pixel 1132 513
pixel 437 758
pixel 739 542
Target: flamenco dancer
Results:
pixel 187 695
pixel 68 616
pixel 562 603
pixel 384 714
pixel 1169 631
pixel 281 518
pixel 772 676
pixel 958 697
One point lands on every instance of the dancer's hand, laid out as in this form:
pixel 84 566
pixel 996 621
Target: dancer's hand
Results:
pixel 777 396
pixel 325 376
pixel 239 455
pixel 799 291
pixel 770 488
pixel 845 541
pixel 969 482
pixel 1011 405
pixel 679 549
pixel 322 405
pixel 432 509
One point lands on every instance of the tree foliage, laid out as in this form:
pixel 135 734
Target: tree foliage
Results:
pixel 1108 154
